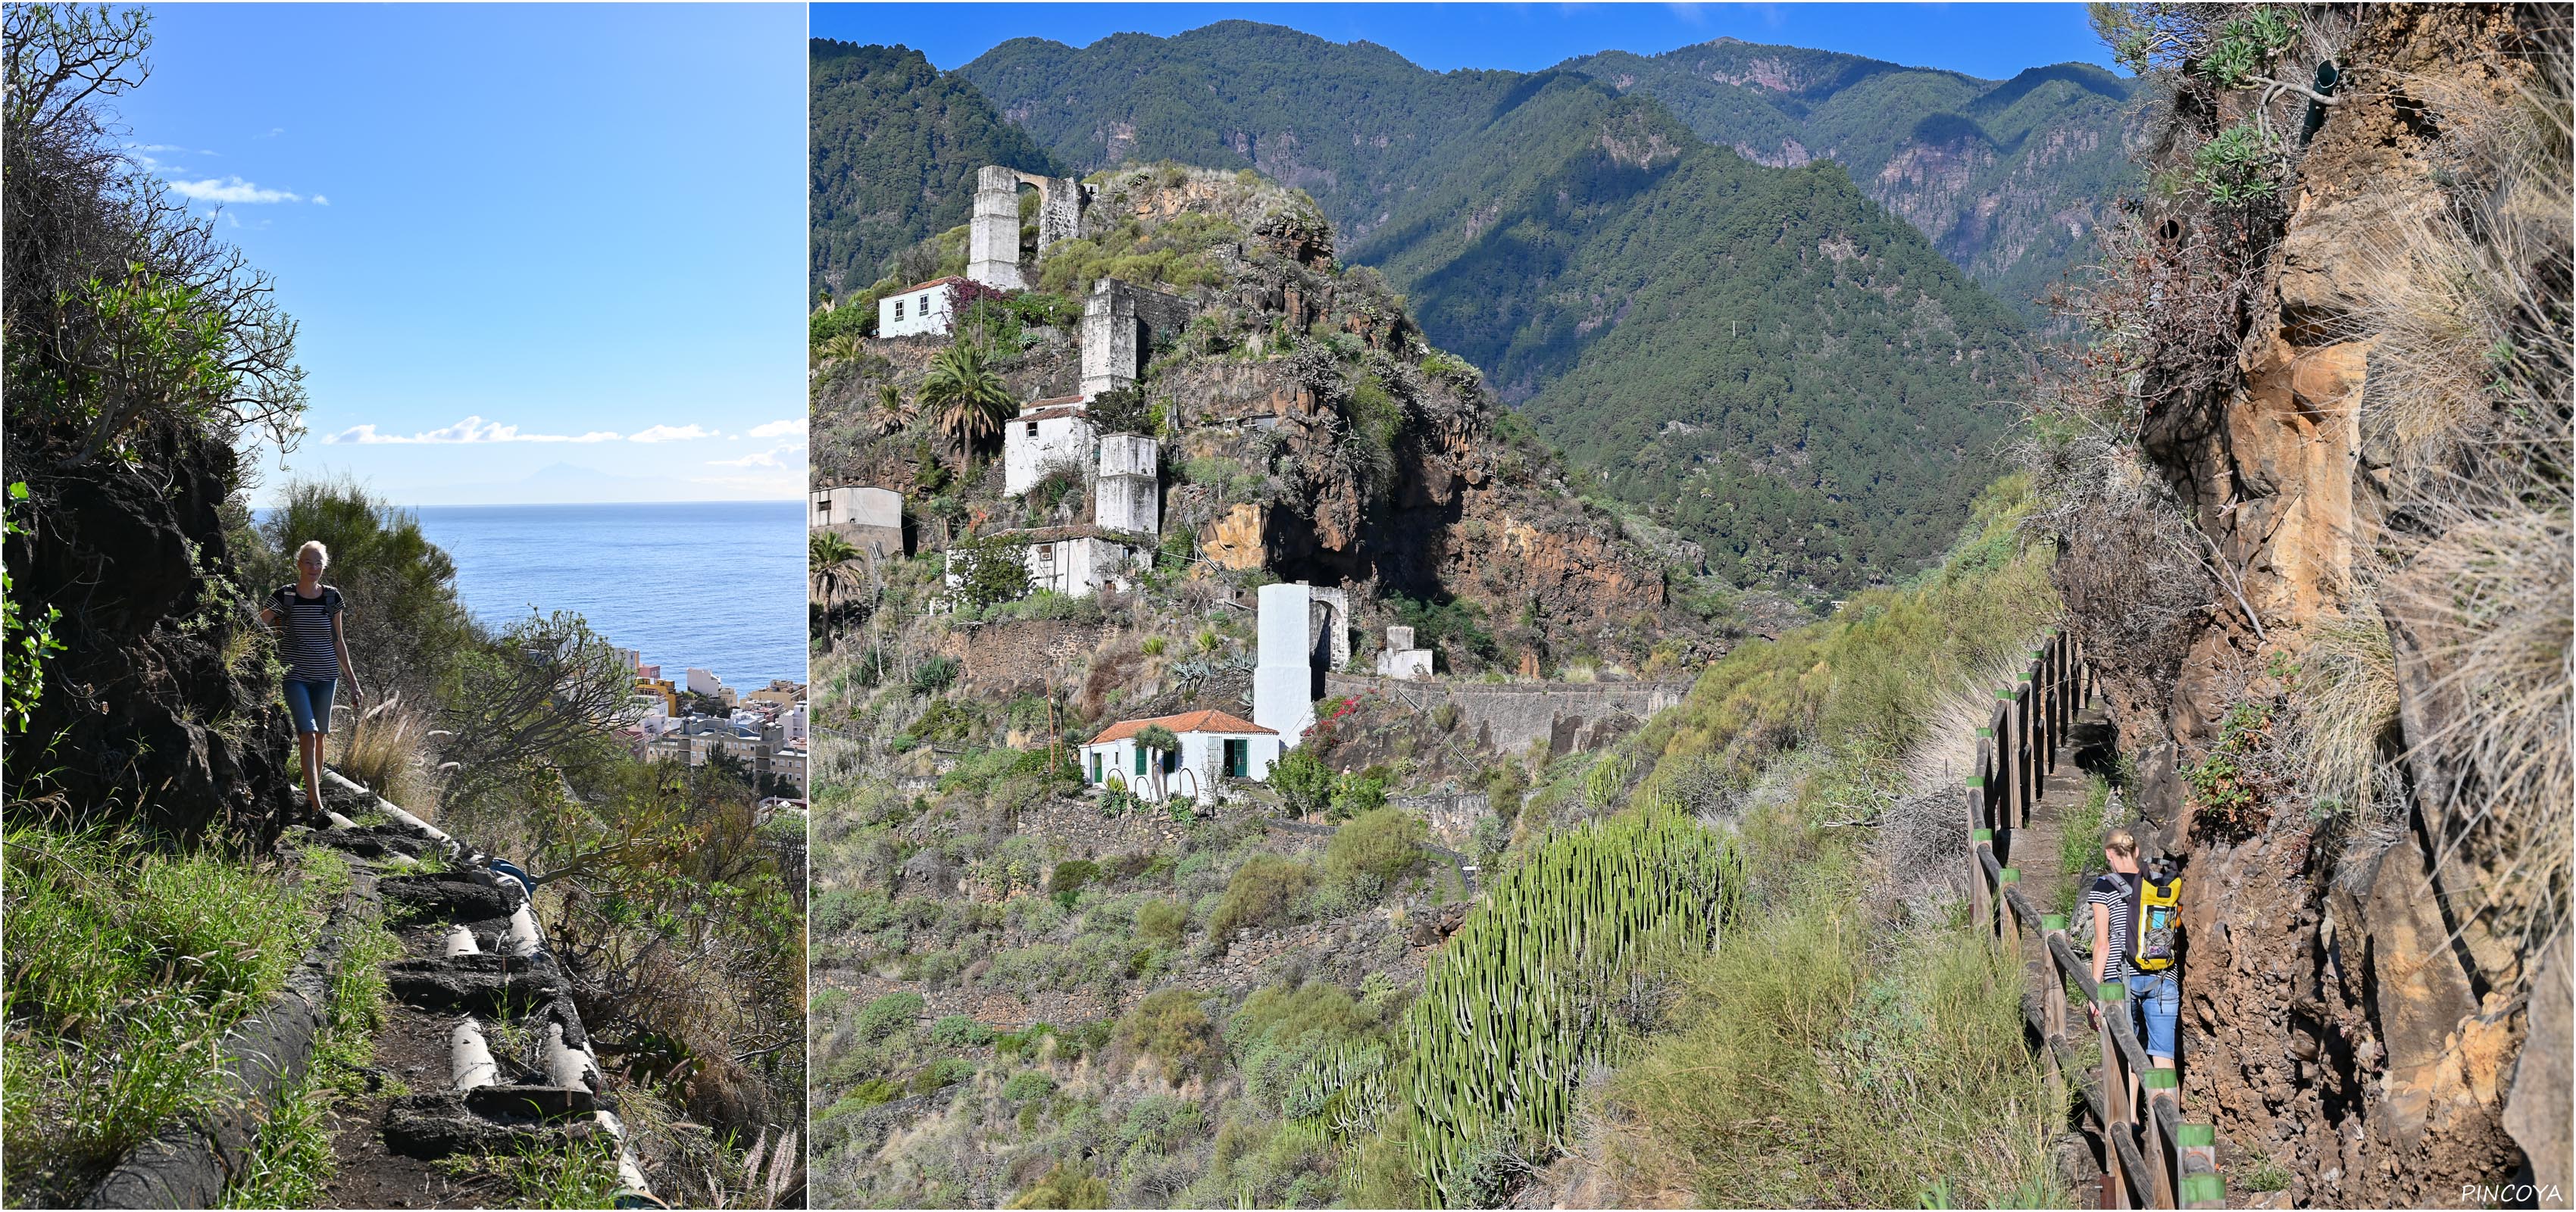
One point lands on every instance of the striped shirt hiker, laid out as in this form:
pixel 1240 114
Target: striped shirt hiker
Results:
pixel 312 653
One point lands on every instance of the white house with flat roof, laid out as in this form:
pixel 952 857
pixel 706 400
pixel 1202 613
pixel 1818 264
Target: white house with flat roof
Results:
pixel 1047 434
pixel 1214 747
pixel 924 309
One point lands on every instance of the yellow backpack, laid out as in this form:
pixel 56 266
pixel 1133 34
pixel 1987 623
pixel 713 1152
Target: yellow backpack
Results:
pixel 2159 922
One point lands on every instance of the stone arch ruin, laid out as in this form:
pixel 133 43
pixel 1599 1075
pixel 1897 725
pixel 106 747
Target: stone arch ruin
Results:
pixel 993 235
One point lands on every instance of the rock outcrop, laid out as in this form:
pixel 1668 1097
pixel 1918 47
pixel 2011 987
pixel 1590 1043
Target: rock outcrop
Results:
pixel 2360 984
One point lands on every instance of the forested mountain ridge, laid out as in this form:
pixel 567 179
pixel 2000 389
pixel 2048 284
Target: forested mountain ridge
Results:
pixel 1758 358
pixel 2007 177
pixel 895 143
pixel 1526 217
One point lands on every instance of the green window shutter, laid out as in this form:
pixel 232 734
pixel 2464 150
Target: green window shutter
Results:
pixel 1140 759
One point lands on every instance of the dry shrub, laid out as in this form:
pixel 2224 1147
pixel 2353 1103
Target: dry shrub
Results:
pixel 2346 700
pixel 2134 572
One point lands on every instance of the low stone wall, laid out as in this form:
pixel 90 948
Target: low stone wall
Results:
pixel 1506 717
pixel 1016 657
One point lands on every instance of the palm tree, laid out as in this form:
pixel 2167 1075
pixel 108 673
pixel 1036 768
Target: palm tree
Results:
pixel 830 561
pixel 893 411
pixel 971 401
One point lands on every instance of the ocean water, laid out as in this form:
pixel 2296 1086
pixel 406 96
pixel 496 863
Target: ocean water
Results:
pixel 718 585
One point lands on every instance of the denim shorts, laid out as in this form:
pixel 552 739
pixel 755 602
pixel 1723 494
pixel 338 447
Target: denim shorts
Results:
pixel 2159 998
pixel 311 703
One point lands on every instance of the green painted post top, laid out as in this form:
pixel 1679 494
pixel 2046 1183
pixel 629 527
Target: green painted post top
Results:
pixel 1985 732
pixel 2003 694
pixel 2206 1189
pixel 2011 875
pixel 2025 677
pixel 2052 921
pixel 2196 1136
pixel 2112 991
pixel 2160 1079
pixel 1977 780
pixel 2052 633
pixel 1981 835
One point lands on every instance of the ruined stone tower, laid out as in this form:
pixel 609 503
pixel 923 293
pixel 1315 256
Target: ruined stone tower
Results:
pixel 1127 495
pixel 993 235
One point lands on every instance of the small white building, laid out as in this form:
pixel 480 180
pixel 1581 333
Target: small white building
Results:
pixel 1214 747
pixel 705 681
pixel 1047 434
pixel 925 309
pixel 870 518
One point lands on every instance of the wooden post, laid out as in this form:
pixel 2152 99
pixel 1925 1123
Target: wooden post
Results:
pixel 2026 743
pixel 2113 997
pixel 2196 1153
pixel 2160 1086
pixel 2010 921
pixel 2007 760
pixel 1981 899
pixel 2052 1006
pixel 2043 756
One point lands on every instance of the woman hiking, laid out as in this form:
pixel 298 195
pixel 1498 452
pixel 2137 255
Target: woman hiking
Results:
pixel 317 654
pixel 2114 900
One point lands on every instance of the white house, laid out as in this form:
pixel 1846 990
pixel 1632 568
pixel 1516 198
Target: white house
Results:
pixel 925 309
pixel 1047 434
pixel 1214 746
pixel 870 518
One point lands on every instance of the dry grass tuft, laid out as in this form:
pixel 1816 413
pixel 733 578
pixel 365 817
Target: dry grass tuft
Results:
pixel 2347 729
pixel 387 748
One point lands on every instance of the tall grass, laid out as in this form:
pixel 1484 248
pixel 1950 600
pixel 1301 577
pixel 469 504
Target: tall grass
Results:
pixel 1802 1071
pixel 292 1160
pixel 125 967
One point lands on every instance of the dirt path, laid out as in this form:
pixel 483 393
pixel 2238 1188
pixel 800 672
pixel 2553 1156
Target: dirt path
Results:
pixel 481 1050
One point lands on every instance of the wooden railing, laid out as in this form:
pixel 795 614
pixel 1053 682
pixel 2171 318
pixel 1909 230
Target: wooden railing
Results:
pixel 2152 1158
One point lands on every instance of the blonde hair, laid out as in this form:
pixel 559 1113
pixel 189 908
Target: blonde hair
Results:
pixel 315 546
pixel 2121 842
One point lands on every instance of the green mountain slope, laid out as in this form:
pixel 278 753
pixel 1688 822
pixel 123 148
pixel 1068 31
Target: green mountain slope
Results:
pixel 2006 177
pixel 895 145
pixel 1759 358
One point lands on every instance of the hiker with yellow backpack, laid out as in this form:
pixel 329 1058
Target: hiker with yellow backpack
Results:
pixel 2137 924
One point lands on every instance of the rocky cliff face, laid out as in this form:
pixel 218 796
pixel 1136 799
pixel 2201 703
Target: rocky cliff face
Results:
pixel 2358 745
pixel 161 709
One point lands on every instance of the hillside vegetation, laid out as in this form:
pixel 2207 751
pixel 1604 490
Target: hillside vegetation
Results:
pixel 895 144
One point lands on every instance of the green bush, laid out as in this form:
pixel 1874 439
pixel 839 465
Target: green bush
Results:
pixel 1303 781
pixel 958 1031
pixel 1071 875
pixel 888 1015
pixel 1065 1187
pixel 934 675
pixel 1383 842
pixel 1172 1027
pixel 1161 923
pixel 1258 892
pixel 1027 1084
pixel 940 1074
pixel 1358 795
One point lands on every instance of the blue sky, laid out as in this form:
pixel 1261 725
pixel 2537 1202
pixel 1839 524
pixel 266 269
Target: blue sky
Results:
pixel 1989 40
pixel 537 253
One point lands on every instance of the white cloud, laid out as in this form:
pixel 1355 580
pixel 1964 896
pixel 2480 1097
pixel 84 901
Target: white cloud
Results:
pixel 794 426
pixel 468 431
pixel 319 200
pixel 232 190
pixel 672 433
pixel 765 458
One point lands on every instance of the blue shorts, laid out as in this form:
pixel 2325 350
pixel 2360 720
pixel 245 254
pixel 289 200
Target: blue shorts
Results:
pixel 2159 998
pixel 311 703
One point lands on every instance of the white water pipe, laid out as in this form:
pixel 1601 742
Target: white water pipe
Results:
pixel 470 1057
pixel 460 941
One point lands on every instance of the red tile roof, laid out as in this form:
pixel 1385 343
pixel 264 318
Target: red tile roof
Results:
pixel 1193 721
pixel 932 282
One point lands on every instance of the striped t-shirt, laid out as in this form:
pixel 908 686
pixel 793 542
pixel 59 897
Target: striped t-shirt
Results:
pixel 2114 891
pixel 312 653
